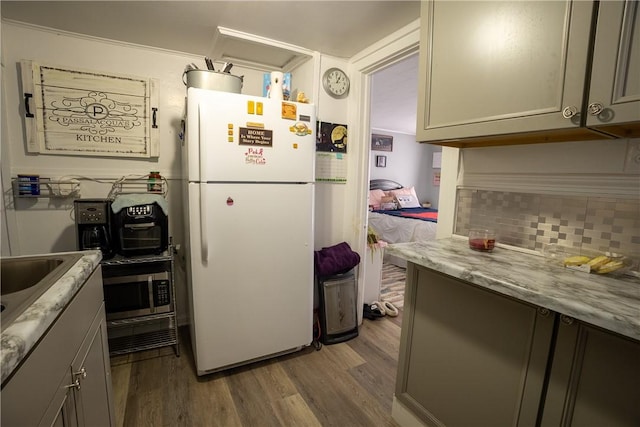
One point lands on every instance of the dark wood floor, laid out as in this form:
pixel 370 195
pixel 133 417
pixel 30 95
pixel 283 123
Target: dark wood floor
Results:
pixel 345 384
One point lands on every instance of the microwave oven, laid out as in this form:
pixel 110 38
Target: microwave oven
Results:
pixel 137 295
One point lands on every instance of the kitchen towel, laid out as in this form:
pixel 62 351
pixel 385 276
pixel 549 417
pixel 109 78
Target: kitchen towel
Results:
pixel 335 259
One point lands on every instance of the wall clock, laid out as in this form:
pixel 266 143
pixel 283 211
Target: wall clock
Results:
pixel 336 83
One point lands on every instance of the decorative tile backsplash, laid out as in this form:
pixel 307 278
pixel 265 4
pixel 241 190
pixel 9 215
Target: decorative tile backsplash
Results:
pixel 533 220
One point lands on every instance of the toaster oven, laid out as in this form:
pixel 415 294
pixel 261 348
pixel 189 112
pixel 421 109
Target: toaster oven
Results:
pixel 141 230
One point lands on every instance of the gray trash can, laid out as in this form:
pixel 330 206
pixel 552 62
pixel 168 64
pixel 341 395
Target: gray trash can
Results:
pixel 338 307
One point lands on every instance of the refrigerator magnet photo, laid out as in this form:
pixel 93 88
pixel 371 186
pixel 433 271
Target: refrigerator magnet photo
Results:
pixel 289 111
pixel 301 129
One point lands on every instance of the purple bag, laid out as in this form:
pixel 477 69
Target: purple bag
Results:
pixel 335 259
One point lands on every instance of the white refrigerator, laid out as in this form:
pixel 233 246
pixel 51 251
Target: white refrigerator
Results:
pixel 249 226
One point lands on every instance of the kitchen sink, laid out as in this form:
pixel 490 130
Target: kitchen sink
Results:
pixel 24 279
pixel 20 274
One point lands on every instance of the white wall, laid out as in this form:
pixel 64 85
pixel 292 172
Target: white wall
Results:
pixel 332 199
pixel 46 225
pixel 43 225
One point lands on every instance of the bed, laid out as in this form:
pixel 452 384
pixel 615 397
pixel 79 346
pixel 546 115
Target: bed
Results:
pixel 394 224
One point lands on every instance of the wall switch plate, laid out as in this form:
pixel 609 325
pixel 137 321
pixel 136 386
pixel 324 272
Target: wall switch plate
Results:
pixel 632 160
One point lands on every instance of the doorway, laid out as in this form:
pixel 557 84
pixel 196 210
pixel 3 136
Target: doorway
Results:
pixel 392 50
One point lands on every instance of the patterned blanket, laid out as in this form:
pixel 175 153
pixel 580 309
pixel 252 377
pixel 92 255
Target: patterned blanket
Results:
pixel 425 214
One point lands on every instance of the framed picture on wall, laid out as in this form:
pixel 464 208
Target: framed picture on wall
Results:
pixel 381 161
pixel 381 142
pixel 436 179
pixel 89 113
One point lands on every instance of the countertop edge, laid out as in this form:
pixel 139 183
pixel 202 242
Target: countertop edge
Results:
pixel 23 334
pixel 570 304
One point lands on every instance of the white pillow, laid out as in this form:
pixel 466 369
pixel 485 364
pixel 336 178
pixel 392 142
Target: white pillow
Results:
pixel 407 201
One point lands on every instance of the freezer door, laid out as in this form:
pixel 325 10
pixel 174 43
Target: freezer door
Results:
pixel 252 274
pixel 241 138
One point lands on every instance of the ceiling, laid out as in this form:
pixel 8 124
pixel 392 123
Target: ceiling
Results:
pixel 394 97
pixel 207 28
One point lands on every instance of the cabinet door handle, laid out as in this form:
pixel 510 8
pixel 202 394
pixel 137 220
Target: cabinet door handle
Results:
pixel 568 112
pixel 544 312
pixel 82 373
pixel 566 319
pixel 75 384
pixel 595 108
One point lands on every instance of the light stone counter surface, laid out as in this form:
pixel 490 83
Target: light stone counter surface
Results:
pixel 609 302
pixel 21 336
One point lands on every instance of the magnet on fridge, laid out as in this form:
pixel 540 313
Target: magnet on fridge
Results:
pixel 259 108
pixel 251 107
pixel 229 201
pixel 295 146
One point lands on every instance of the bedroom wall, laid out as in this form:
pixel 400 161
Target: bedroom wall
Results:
pixel 410 164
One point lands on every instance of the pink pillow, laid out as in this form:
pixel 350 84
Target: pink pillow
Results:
pixel 375 198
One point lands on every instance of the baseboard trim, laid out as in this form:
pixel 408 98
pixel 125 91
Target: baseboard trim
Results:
pixel 403 416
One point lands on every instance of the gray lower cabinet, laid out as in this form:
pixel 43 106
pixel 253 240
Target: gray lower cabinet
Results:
pixel 468 356
pixel 472 357
pixel 66 380
pixel 594 378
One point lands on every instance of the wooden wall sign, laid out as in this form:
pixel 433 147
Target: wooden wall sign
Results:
pixel 78 112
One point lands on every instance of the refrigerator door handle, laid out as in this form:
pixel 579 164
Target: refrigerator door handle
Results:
pixel 204 243
pixel 202 147
pixel 202 120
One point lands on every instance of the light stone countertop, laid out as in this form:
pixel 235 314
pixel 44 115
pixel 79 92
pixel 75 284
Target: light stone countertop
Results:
pixel 20 337
pixel 610 302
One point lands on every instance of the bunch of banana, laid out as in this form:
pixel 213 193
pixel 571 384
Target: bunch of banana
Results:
pixel 576 260
pixel 609 267
pixel 600 264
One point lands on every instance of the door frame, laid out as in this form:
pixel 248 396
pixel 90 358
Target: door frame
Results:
pixel 388 51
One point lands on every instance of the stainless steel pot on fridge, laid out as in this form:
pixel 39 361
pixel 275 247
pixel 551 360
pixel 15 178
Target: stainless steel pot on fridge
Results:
pixel 213 80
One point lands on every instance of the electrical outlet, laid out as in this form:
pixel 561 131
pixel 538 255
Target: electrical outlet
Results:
pixel 632 161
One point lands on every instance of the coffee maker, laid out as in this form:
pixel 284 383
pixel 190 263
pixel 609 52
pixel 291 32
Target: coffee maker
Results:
pixel 93 225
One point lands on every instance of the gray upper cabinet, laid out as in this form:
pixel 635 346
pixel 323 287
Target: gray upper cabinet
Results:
pixel 492 71
pixel 614 95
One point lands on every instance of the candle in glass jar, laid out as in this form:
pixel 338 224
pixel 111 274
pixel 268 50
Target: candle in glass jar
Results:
pixel 481 239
